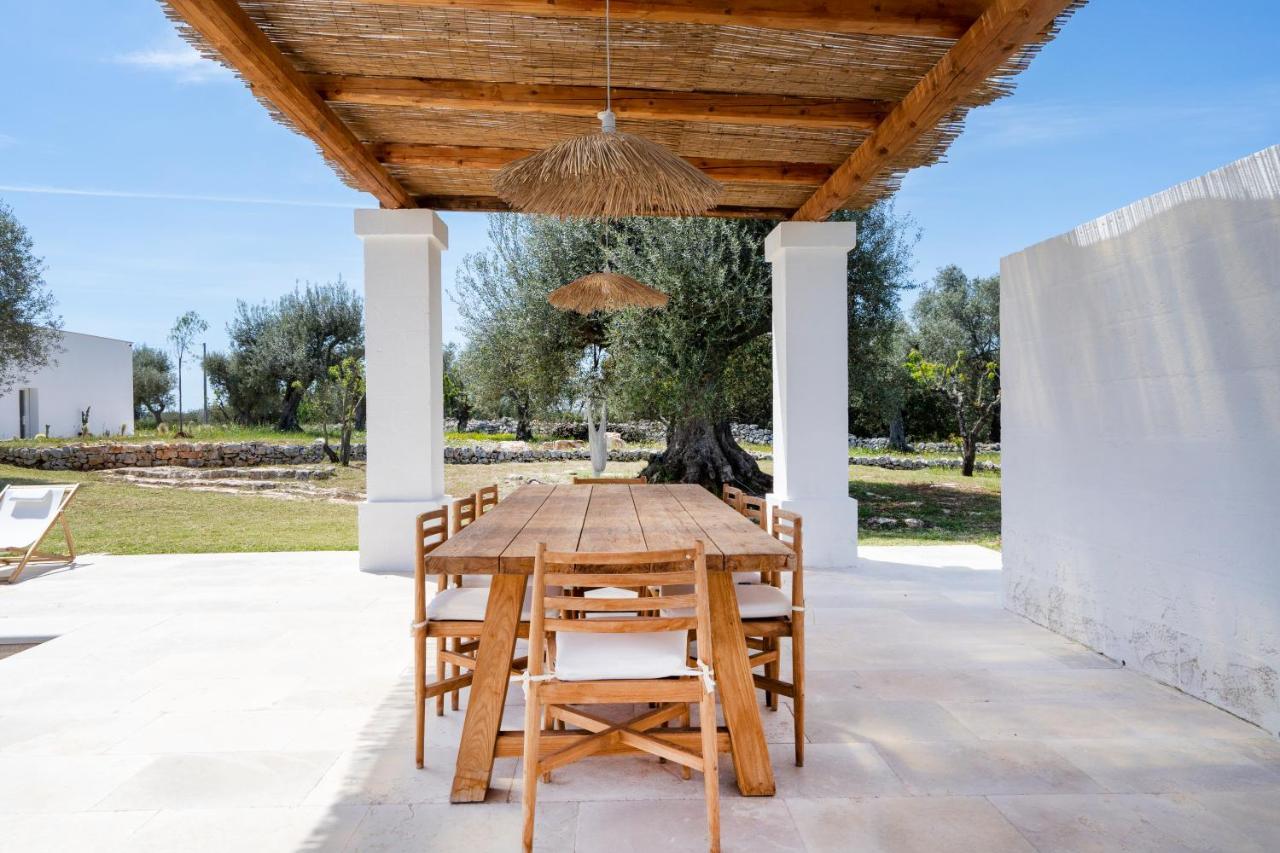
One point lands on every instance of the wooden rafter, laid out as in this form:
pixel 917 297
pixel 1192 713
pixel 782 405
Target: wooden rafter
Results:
pixel 1006 27
pixel 493 204
pixel 935 18
pixel 586 101
pixel 492 159
pixel 232 33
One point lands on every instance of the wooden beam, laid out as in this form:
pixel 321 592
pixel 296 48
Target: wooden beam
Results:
pixel 493 204
pixel 935 18
pixel 492 159
pixel 1001 31
pixel 586 101
pixel 232 33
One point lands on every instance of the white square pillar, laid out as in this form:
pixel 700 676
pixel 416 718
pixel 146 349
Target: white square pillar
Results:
pixel 403 363
pixel 811 385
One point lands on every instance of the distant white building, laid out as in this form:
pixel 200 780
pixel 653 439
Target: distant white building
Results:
pixel 90 373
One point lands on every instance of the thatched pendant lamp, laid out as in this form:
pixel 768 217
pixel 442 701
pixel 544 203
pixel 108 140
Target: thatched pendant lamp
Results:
pixel 606 174
pixel 606 291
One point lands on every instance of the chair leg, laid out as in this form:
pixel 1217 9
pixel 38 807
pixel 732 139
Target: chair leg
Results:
pixel 685 720
pixel 797 680
pixel 772 670
pixel 440 644
pixel 710 768
pixel 420 700
pixel 549 723
pixel 454 669
pixel 66 534
pixel 531 737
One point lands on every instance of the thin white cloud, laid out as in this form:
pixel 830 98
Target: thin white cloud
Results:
pixel 6 140
pixel 180 60
pixel 157 196
pixel 1013 124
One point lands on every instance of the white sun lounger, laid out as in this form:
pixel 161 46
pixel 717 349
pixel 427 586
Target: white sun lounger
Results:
pixel 27 515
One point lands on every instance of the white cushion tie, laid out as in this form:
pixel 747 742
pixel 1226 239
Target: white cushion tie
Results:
pixel 707 675
pixel 524 678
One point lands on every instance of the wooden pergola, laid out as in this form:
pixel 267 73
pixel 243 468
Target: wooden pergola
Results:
pixel 799 107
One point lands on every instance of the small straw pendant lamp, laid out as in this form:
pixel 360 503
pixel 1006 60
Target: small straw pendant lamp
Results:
pixel 608 174
pixel 606 291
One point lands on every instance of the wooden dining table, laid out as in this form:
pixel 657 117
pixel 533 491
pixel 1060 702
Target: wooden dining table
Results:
pixel 605 518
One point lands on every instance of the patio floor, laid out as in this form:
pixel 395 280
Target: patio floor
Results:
pixel 261 702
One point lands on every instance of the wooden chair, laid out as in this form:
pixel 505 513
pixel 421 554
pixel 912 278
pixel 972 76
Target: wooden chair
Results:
pixel 610 481
pixel 756 509
pixel 610 659
pixel 732 496
pixel 768 614
pixel 27 517
pixel 486 499
pixel 453 614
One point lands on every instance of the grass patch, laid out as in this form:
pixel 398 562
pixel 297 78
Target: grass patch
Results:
pixel 952 508
pixel 120 518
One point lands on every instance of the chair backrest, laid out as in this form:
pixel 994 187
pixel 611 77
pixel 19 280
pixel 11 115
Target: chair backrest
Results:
pixel 610 481
pixel 788 528
pixel 486 499
pixel 618 570
pixel 464 511
pixel 756 509
pixel 731 496
pixel 26 512
pixel 430 531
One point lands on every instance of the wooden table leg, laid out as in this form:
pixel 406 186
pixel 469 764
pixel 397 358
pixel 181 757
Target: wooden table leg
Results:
pixel 737 690
pixel 488 689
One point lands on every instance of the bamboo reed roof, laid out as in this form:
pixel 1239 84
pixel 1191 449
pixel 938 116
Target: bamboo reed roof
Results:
pixel 799 107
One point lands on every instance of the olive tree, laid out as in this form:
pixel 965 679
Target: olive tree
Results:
pixel 957 352
pixel 674 362
pixel 522 354
pixel 28 326
pixel 152 381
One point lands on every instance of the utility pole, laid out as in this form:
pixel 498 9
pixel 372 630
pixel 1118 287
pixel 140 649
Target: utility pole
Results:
pixel 204 379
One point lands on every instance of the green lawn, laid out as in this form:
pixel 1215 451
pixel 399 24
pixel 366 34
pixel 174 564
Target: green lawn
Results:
pixel 119 518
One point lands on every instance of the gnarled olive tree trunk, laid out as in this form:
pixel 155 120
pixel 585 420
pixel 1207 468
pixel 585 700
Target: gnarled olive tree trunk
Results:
pixel 700 451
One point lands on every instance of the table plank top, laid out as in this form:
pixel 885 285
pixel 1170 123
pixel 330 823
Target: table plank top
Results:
pixel 606 518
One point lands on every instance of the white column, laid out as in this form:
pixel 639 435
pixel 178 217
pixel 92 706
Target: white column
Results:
pixel 403 361
pixel 811 385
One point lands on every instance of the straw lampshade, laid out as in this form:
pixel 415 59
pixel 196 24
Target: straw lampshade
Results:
pixel 606 175
pixel 606 291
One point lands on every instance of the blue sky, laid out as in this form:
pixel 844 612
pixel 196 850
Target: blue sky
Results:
pixel 153 183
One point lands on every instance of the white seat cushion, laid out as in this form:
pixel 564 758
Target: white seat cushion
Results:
pixel 761 601
pixel 746 577
pixel 755 601
pixel 589 657
pixel 466 604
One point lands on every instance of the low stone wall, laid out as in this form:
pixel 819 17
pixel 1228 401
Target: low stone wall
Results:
pixel 485 456
pixel 103 457
pixel 204 454
pixel 916 463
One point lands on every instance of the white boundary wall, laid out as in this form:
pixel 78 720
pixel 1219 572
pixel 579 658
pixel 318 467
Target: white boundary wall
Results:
pixel 1141 436
pixel 90 371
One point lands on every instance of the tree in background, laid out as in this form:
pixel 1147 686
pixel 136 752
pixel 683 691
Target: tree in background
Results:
pixel 673 363
pixel 339 396
pixel 879 271
pixel 522 353
pixel 152 381
pixel 28 326
pixel 957 352
pixel 281 349
pixel 456 402
pixel 183 334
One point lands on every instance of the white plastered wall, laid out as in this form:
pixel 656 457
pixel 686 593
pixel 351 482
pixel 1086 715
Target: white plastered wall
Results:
pixel 1141 436
pixel 90 372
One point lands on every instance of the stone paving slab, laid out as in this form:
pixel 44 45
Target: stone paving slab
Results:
pixel 262 702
